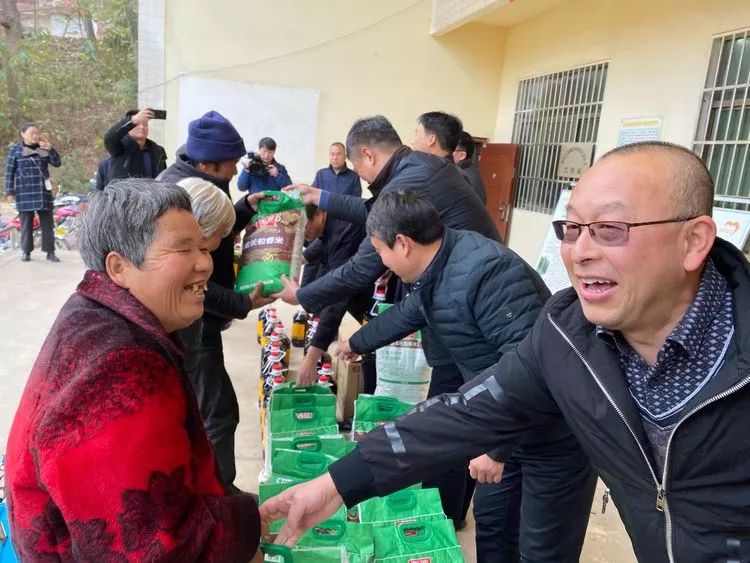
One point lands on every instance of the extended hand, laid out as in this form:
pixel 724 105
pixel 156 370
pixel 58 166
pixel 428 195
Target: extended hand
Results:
pixel 257 300
pixel 272 170
pixel 308 194
pixel 253 199
pixel 486 470
pixel 308 371
pixel 289 293
pixel 345 351
pixel 303 506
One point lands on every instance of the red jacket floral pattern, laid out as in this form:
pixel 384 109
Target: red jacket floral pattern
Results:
pixel 107 458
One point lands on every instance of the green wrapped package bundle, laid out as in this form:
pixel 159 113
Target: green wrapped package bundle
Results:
pixel 418 542
pixel 334 445
pixel 300 464
pixel 356 540
pixel 290 396
pixel 302 421
pixel 371 411
pixel 408 505
pixel 272 245
pixel 281 554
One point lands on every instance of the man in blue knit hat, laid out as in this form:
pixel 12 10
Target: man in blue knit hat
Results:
pixel 212 151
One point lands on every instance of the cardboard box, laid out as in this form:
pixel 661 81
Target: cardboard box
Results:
pixel 350 383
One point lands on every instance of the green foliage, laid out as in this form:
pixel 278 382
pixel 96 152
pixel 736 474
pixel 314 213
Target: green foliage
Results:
pixel 75 89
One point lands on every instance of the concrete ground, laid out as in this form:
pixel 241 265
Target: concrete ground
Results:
pixel 31 295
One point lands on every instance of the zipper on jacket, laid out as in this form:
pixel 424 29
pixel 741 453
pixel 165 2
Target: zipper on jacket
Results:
pixel 661 493
pixel 711 400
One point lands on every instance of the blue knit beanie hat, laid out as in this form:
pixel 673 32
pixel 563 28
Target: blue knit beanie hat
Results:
pixel 212 138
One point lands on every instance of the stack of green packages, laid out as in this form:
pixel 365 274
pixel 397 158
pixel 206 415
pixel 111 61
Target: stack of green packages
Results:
pixel 295 415
pixel 418 542
pixel 371 411
pixel 357 540
pixel 333 445
pixel 272 245
pixel 407 505
pixel 282 554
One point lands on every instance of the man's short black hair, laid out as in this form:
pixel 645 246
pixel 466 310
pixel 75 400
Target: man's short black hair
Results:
pixel 339 144
pixel 466 144
pixel 446 127
pixel 403 212
pixel 267 143
pixel 374 131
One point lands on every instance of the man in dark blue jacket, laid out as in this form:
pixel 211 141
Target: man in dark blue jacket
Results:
pixel 646 357
pixel 337 178
pixel 268 175
pixel 480 299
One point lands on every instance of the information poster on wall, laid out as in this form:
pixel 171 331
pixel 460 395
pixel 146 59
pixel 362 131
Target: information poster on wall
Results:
pixel 549 264
pixel 637 129
pixel 733 226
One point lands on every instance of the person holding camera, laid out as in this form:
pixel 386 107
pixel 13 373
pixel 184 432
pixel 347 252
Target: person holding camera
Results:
pixel 262 172
pixel 133 154
pixel 27 183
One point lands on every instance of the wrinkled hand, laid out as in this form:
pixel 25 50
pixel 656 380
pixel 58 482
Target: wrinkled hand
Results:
pixel 303 506
pixel 272 170
pixel 289 293
pixel 308 371
pixel 10 198
pixel 142 117
pixel 257 300
pixel 486 470
pixel 310 195
pixel 344 350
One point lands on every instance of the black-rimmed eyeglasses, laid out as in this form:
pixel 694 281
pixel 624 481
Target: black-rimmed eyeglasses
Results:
pixel 605 233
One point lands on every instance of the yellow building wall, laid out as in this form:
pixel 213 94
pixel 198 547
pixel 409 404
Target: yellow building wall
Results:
pixel 658 56
pixel 363 57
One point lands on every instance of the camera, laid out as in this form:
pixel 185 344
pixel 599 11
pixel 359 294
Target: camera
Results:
pixel 256 166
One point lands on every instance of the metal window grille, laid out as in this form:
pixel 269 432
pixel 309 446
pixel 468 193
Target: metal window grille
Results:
pixel 563 107
pixel 722 137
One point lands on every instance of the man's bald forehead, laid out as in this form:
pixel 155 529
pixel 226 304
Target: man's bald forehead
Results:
pixel 690 184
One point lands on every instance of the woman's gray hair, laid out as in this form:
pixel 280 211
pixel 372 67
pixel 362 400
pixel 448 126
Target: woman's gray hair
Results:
pixel 122 219
pixel 212 208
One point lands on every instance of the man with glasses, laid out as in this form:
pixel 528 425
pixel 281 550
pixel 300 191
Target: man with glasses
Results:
pixel 646 358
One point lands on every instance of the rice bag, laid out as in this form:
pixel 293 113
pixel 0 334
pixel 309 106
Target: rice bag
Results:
pixel 272 245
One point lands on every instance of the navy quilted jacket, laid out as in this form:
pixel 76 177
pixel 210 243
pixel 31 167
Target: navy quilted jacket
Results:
pixel 478 297
pixel 25 176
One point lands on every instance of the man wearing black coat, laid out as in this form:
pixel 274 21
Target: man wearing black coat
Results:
pixel 463 156
pixel 132 153
pixel 379 157
pixel 337 241
pixel 212 152
pixel 646 357
pixel 480 300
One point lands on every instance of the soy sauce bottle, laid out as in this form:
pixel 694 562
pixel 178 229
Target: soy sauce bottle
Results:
pixel 299 329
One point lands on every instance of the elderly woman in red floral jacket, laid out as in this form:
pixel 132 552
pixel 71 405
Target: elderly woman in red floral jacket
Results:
pixel 107 458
